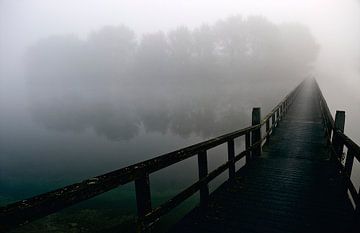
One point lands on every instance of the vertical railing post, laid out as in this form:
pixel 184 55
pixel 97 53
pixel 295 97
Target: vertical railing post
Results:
pixel 203 172
pixel 143 199
pixel 273 120
pixel 247 147
pixel 336 141
pixel 278 115
pixel 348 168
pixel 349 162
pixel 231 159
pixel 256 134
pixel 287 105
pixel 267 130
pixel 357 208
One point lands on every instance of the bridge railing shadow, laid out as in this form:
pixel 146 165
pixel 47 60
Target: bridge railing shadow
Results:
pixel 31 209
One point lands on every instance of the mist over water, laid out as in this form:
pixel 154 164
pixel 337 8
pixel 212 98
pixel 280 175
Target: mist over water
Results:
pixel 82 102
pixel 112 99
pixel 183 81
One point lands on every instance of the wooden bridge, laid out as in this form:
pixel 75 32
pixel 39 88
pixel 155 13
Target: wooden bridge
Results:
pixel 296 177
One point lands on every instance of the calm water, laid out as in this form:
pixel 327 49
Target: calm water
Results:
pixel 36 158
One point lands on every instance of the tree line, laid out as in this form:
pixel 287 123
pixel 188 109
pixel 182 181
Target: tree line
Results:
pixel 201 81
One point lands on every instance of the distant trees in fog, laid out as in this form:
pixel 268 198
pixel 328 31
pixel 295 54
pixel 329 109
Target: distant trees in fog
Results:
pixel 203 80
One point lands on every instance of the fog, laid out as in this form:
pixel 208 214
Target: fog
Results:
pixel 54 55
pixel 90 86
pixel 183 81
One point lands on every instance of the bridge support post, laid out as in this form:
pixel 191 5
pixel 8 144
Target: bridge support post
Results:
pixel 349 162
pixel 203 172
pixel 143 200
pixel 336 141
pixel 231 159
pixel 273 120
pixel 247 147
pixel 267 130
pixel 256 134
pixel 357 208
pixel 287 105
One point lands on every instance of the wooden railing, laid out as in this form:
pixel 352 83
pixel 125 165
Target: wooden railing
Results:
pixel 338 140
pixel 25 211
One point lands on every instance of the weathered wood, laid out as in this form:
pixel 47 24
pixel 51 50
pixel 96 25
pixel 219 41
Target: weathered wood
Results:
pixel 143 200
pixel 357 208
pixel 247 147
pixel 203 172
pixel 256 134
pixel 347 173
pixel 143 195
pixel 349 162
pixel 273 120
pixel 339 139
pixel 241 155
pixel 231 159
pixel 179 198
pixel 350 144
pixel 339 125
pixel 294 188
pixel 351 188
pixel 267 130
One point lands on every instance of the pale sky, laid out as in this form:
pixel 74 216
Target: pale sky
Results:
pixel 39 18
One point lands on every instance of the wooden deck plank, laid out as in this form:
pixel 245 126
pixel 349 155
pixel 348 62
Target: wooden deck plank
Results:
pixel 293 187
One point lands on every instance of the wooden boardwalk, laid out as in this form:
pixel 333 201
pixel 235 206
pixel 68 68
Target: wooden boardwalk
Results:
pixel 293 187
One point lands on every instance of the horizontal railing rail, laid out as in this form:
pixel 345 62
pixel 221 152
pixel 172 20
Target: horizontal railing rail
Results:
pixel 338 140
pixel 25 211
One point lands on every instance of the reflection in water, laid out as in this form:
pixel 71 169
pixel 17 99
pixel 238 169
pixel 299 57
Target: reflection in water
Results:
pixel 202 81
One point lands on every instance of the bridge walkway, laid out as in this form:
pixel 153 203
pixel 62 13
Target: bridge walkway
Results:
pixel 293 187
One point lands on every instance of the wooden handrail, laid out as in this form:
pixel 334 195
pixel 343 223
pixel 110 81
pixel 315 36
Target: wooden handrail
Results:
pixel 336 137
pixel 175 201
pixel 353 152
pixel 25 211
pixel 350 144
